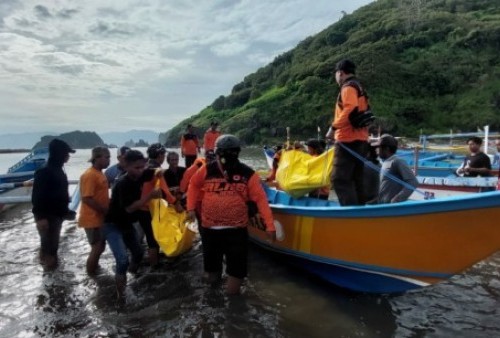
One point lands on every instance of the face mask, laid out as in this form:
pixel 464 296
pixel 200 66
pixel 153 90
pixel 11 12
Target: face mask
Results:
pixel 228 159
pixel 337 77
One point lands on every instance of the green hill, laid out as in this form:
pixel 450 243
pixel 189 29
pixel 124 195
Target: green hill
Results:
pixel 428 65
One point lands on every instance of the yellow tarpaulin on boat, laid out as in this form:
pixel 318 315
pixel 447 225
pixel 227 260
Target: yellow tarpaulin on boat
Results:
pixel 169 228
pixel 299 173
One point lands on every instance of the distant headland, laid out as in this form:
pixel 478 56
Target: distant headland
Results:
pixel 13 143
pixel 12 151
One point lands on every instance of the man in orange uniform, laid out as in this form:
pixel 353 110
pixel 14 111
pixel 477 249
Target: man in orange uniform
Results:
pixel 350 141
pixel 227 185
pixel 210 136
pixel 190 146
pixel 95 203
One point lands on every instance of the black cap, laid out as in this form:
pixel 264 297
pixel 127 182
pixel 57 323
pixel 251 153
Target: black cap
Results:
pixel 347 66
pixel 386 140
pixel 59 146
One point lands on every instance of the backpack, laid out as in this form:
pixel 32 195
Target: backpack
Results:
pixel 358 119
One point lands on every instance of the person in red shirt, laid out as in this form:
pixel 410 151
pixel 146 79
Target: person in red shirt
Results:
pixel 210 136
pixel 190 146
pixel 227 186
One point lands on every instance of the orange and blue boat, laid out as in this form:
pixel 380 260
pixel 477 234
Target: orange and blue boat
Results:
pixel 384 248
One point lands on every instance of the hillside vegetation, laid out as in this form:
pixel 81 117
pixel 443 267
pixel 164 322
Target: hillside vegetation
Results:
pixel 428 66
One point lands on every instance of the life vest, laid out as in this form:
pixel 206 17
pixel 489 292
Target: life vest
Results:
pixel 358 118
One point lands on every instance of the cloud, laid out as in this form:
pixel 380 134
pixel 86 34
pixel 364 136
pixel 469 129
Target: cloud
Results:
pixel 42 12
pixel 147 64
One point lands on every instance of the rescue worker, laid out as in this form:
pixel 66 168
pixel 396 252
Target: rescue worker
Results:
pixel 227 186
pixel 350 138
pixel 190 146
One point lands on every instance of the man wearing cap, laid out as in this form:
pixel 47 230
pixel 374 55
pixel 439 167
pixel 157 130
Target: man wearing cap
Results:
pixel 210 136
pixel 221 191
pixel 118 169
pixel 50 200
pixel 390 190
pixel 350 142
pixel 95 202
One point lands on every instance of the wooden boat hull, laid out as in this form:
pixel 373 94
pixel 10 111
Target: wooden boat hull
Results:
pixel 386 248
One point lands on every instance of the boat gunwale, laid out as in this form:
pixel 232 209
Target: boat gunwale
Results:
pixel 460 203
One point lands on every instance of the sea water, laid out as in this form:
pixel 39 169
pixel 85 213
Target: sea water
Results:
pixel 173 301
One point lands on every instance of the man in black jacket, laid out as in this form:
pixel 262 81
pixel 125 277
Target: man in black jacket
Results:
pixel 50 200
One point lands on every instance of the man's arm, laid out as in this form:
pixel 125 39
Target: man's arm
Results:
pixel 406 175
pixel 87 190
pixel 483 167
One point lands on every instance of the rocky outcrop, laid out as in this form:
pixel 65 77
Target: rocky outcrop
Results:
pixel 76 139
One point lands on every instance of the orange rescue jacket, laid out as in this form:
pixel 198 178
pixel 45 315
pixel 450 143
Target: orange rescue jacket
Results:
pixel 348 101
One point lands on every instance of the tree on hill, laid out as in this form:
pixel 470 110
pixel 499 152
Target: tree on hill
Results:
pixel 428 66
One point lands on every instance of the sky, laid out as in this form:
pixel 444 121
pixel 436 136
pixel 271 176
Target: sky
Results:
pixel 117 65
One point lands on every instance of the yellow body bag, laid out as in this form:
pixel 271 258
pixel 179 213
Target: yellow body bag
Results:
pixel 300 173
pixel 170 228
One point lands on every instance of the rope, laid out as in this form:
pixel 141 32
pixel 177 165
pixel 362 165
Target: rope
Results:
pixel 426 194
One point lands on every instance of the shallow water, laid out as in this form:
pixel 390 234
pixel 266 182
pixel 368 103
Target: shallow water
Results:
pixel 172 301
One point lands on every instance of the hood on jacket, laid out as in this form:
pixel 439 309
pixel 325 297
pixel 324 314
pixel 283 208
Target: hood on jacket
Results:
pixel 58 150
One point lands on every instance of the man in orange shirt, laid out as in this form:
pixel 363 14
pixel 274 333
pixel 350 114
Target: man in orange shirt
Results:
pixel 95 203
pixel 190 146
pixel 350 140
pixel 210 137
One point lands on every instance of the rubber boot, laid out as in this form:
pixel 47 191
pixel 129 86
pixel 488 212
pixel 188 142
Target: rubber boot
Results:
pixel 153 256
pixel 121 284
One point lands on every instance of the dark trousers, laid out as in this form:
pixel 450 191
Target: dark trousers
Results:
pixel 49 238
pixel 348 171
pixel 189 159
pixel 231 244
pixel 147 227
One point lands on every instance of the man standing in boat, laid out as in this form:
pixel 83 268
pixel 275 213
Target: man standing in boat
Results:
pixel 95 202
pixel 397 181
pixel 476 163
pixel 350 137
pixel 50 200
